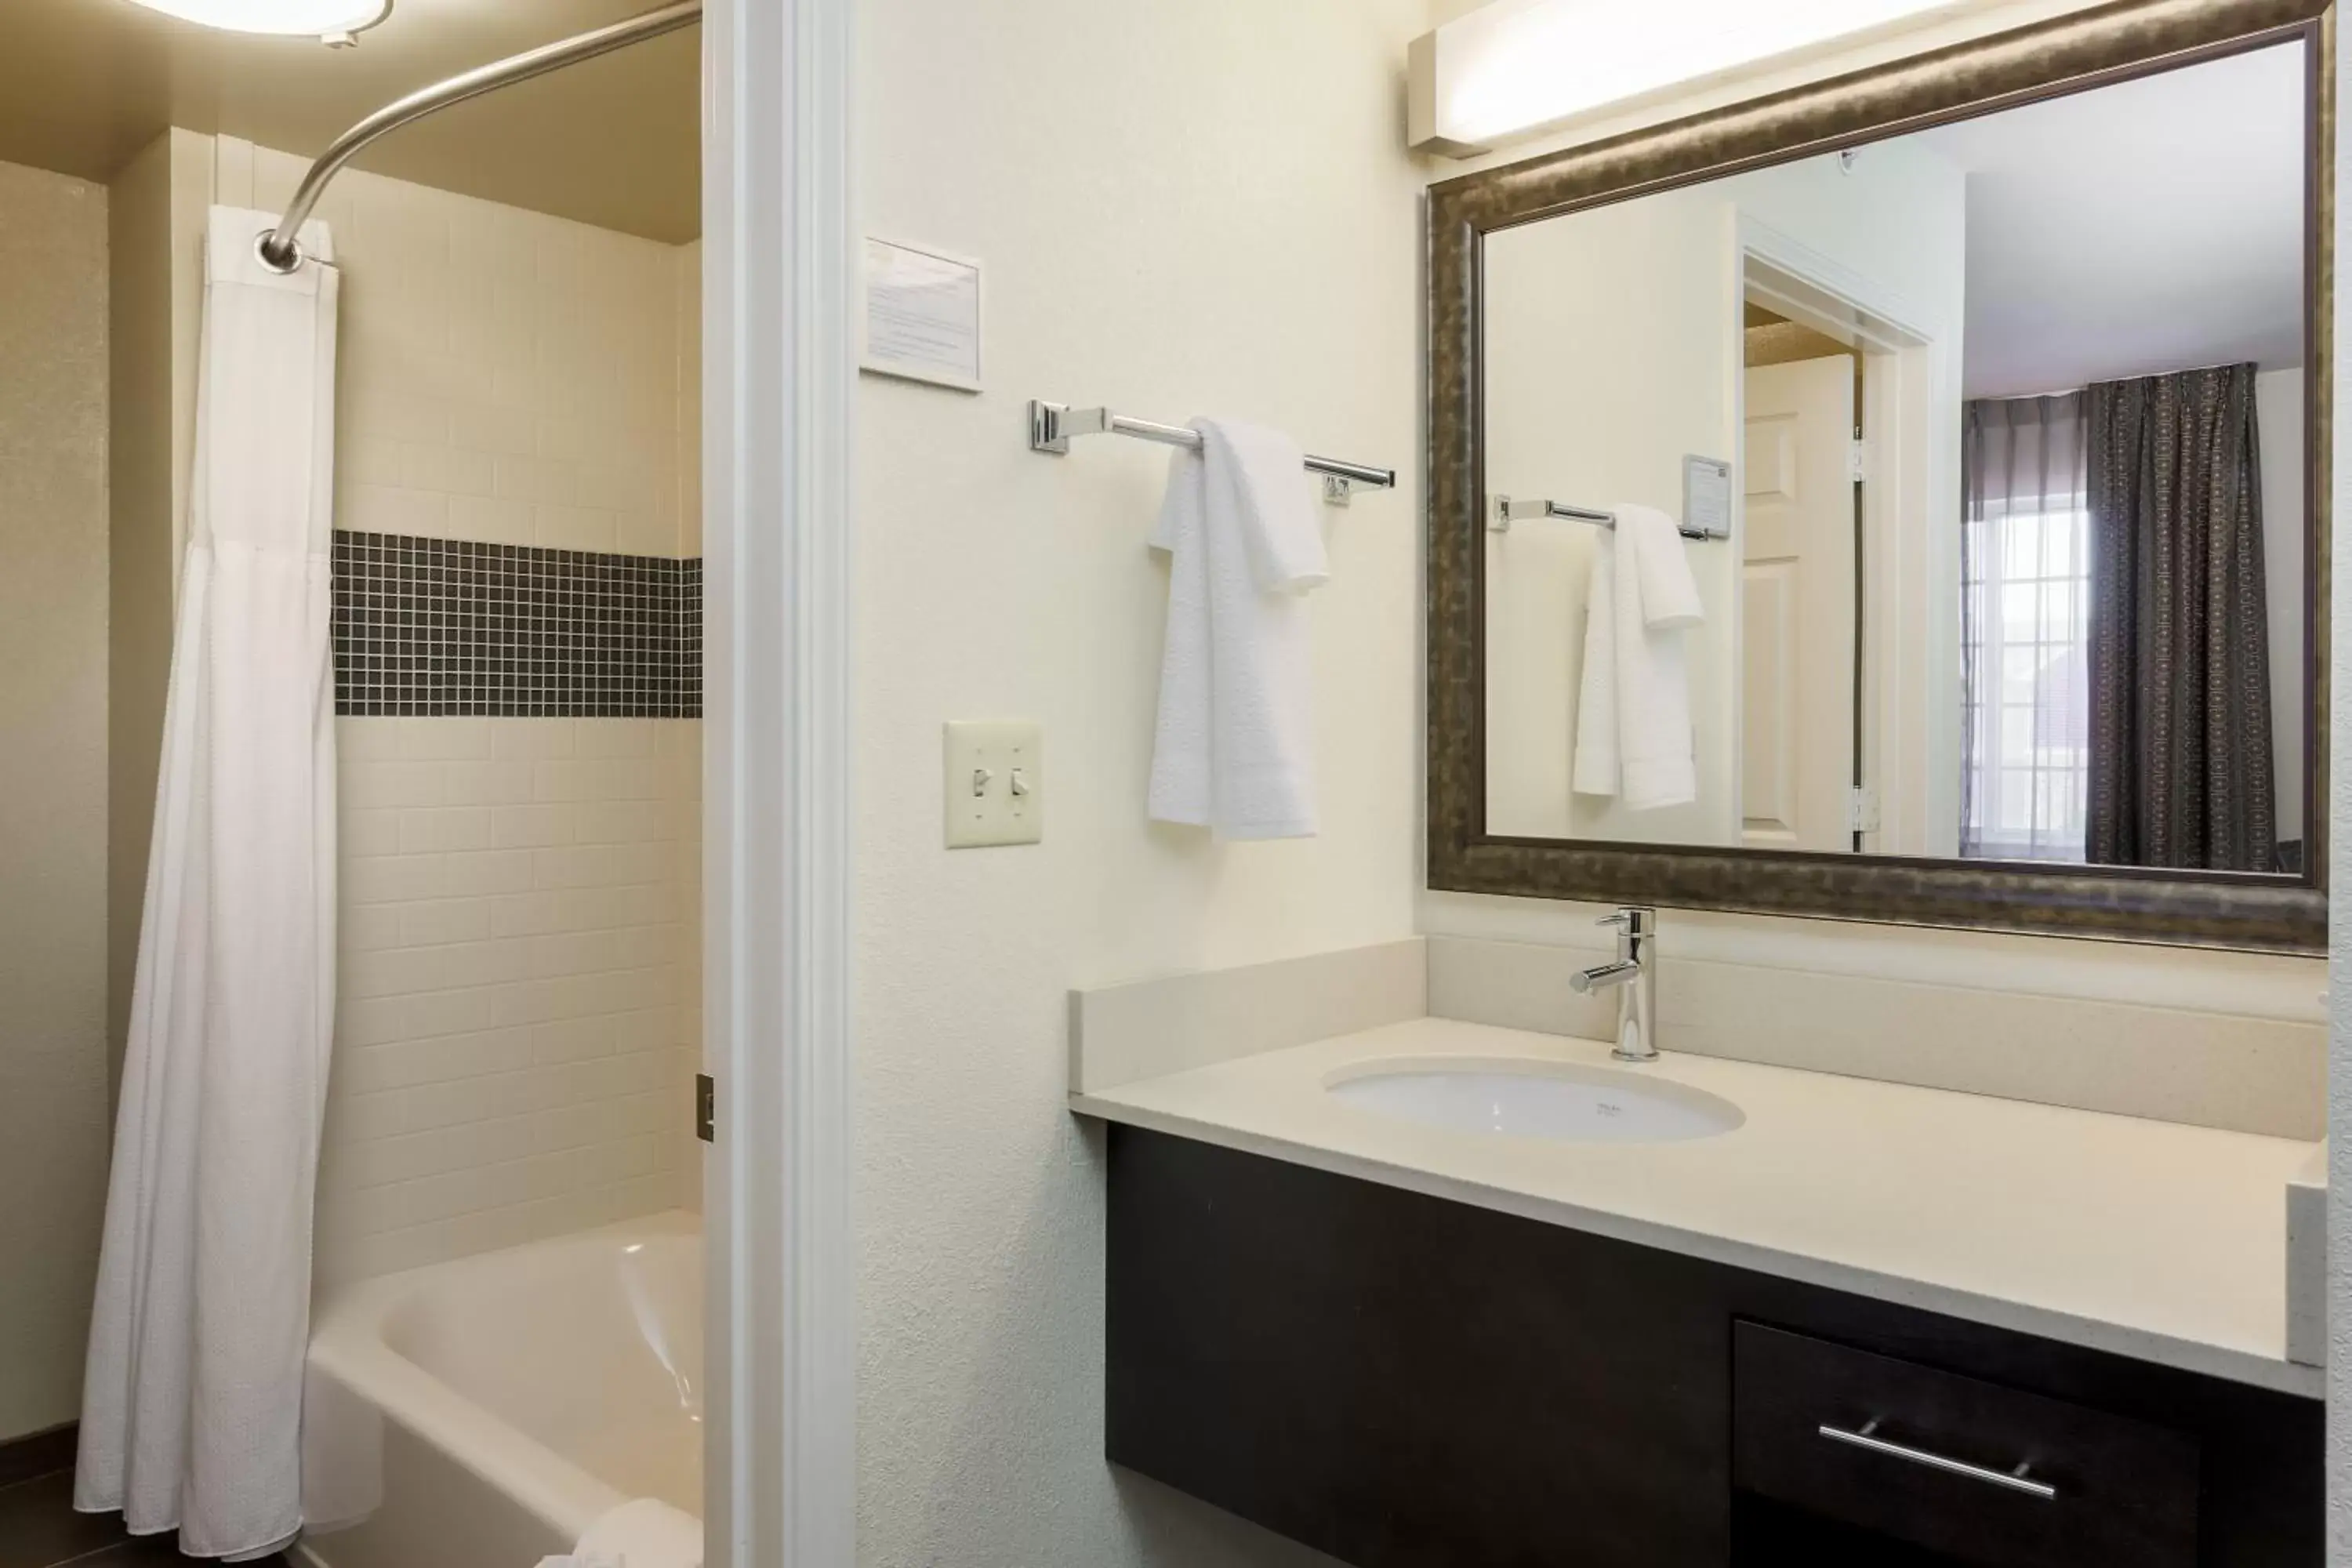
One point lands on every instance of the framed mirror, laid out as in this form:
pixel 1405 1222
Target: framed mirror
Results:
pixel 1903 498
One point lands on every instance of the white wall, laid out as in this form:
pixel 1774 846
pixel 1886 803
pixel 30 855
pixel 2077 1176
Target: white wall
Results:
pixel 2278 415
pixel 53 830
pixel 1608 335
pixel 1614 346
pixel 1182 209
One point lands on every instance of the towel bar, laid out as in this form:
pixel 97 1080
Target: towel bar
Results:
pixel 1508 511
pixel 1051 425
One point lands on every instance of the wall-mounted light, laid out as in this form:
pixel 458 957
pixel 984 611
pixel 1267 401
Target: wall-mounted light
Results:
pixel 335 21
pixel 1514 68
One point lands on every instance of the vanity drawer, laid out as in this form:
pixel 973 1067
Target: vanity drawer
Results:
pixel 1925 1457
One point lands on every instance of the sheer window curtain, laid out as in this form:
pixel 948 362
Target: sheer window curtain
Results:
pixel 2024 621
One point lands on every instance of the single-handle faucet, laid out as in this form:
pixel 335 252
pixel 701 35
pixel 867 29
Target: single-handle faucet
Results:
pixel 1634 977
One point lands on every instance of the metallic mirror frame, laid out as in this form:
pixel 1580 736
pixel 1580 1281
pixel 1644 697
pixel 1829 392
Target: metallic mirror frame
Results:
pixel 2112 42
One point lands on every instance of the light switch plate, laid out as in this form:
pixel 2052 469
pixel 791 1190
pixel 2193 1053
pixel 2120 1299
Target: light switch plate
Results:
pixel 995 782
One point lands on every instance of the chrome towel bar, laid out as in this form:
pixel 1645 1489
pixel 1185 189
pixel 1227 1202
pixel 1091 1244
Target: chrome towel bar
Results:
pixel 1508 511
pixel 1051 425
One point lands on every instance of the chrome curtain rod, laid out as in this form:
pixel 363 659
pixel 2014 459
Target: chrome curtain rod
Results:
pixel 277 248
pixel 1508 511
pixel 1051 425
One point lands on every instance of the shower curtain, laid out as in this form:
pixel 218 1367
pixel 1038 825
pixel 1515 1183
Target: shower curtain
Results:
pixel 192 1401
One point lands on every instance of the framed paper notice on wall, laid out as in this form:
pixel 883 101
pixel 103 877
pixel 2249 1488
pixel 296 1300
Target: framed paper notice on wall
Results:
pixel 922 315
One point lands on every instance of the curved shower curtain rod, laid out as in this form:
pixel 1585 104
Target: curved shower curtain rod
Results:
pixel 277 248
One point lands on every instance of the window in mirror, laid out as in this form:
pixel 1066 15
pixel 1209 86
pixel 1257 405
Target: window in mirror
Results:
pixel 2025 591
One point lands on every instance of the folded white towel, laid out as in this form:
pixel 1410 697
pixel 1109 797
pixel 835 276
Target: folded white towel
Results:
pixel 1233 749
pixel 1634 734
pixel 1669 592
pixel 644 1533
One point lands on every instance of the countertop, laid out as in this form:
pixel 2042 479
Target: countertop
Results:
pixel 2150 1240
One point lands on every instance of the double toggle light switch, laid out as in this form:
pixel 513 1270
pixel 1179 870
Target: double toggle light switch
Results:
pixel 995 782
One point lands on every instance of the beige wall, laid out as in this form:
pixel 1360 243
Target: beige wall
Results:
pixel 155 212
pixel 1182 209
pixel 2278 417
pixel 53 668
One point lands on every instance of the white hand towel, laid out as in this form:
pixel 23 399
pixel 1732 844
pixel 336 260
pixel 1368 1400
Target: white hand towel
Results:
pixel 1634 735
pixel 1233 749
pixel 1669 592
pixel 1597 771
pixel 644 1533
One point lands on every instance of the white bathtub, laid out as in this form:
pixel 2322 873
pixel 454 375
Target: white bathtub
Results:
pixel 479 1413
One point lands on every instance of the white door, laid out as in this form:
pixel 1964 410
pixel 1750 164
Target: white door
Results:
pixel 1796 608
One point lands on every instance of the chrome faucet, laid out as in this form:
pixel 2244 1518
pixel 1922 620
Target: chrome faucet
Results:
pixel 1634 978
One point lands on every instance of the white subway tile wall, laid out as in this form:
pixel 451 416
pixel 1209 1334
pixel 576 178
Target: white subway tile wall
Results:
pixel 518 1016
pixel 518 1023
pixel 503 375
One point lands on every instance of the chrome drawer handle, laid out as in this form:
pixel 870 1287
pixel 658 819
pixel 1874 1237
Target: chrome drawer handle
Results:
pixel 2015 1480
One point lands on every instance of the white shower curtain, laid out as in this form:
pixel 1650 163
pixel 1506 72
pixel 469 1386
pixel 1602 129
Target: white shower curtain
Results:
pixel 192 1402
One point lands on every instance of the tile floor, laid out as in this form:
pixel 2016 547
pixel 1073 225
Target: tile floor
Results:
pixel 39 1528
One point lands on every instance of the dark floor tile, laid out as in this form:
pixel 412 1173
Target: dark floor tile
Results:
pixel 39 1528
pixel 39 1453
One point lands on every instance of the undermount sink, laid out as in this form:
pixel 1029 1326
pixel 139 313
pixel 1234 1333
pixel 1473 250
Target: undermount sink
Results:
pixel 1557 1100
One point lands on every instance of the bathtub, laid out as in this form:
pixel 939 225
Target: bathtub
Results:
pixel 479 1413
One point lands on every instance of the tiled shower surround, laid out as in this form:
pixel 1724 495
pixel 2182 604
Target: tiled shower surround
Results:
pixel 517 1010
pixel 517 1024
pixel 452 626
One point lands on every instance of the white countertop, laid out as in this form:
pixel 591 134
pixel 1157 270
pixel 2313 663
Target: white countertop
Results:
pixel 2147 1238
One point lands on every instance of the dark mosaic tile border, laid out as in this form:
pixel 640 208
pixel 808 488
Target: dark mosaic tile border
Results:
pixel 449 626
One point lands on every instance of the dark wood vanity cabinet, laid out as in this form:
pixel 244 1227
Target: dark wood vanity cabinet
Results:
pixel 1400 1380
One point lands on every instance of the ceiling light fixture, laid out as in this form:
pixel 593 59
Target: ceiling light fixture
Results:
pixel 332 21
pixel 1510 69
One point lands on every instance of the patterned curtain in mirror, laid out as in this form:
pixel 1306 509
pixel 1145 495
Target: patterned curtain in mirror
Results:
pixel 2180 694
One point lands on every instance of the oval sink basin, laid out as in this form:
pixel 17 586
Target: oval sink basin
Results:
pixel 1555 1101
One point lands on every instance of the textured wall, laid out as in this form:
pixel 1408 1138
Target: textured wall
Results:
pixel 1182 209
pixel 53 656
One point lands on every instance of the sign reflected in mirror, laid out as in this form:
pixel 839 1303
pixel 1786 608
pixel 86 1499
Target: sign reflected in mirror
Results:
pixel 2011 562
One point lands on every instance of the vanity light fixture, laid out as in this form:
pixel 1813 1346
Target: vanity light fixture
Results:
pixel 1514 67
pixel 335 21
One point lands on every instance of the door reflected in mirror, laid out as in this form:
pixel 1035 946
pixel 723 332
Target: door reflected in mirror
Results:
pixel 1943 496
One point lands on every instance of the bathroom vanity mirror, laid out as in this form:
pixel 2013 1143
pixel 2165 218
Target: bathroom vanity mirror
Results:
pixel 1902 497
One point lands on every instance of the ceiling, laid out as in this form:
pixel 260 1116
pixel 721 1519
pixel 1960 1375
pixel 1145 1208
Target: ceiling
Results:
pixel 613 142
pixel 2156 225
